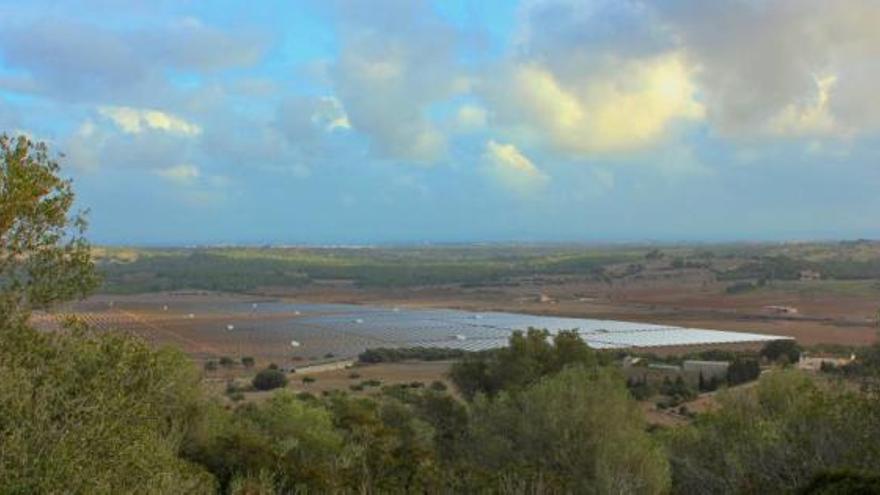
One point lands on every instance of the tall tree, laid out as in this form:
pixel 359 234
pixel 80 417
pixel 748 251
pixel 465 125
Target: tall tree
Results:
pixel 80 411
pixel 44 256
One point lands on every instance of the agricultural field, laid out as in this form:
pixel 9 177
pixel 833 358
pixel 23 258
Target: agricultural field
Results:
pixel 819 293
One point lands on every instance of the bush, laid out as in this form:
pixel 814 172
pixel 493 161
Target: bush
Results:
pixel 227 362
pixel 308 379
pixel 210 365
pixel 640 389
pixel 743 370
pixel 248 361
pixel 354 376
pixel 438 386
pixel 393 355
pixel 529 356
pixel 778 349
pixel 269 379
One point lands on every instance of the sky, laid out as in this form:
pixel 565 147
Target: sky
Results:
pixel 408 121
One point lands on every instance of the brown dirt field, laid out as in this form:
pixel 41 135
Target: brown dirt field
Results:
pixel 827 312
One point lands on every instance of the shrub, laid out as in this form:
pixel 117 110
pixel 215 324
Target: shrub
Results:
pixel 743 370
pixel 354 376
pixel 248 361
pixel 269 379
pixel 389 355
pixel 227 362
pixel 438 386
pixel 308 379
pixel 779 349
pixel 210 365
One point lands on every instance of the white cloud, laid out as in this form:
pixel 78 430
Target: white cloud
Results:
pixel 136 120
pixel 783 67
pixel 809 117
pixel 396 61
pixel 630 104
pixel 507 165
pixel 180 174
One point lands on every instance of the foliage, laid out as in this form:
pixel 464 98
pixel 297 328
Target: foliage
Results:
pixel 288 443
pixel 84 413
pixel 269 379
pixel 743 370
pixel 787 350
pixel 528 357
pixel 44 257
pixel 677 390
pixel 396 354
pixel 248 362
pixel 842 483
pixel 640 388
pixel 80 412
pixel 775 437
pixel 575 432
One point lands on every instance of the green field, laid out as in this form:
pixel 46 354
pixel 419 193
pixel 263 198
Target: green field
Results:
pixel 131 270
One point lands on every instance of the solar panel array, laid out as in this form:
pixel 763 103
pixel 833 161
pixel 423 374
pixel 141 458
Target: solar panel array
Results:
pixel 478 331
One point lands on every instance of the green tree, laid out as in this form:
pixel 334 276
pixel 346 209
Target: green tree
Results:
pixel 528 357
pixel 776 437
pixel 286 443
pixel 743 370
pixel 44 257
pixel 80 412
pixel 269 379
pixel 786 350
pixel 576 432
pixel 84 413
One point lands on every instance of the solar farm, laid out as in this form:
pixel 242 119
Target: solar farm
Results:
pixel 278 330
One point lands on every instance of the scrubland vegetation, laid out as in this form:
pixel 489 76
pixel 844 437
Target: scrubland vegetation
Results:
pixel 743 266
pixel 98 412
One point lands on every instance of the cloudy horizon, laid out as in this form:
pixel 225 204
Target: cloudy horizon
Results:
pixel 394 121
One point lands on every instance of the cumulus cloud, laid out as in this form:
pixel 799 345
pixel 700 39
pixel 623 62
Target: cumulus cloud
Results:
pixel 593 77
pixel 792 67
pixel 137 120
pixel 809 117
pixel 513 170
pixel 396 61
pixel 631 105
